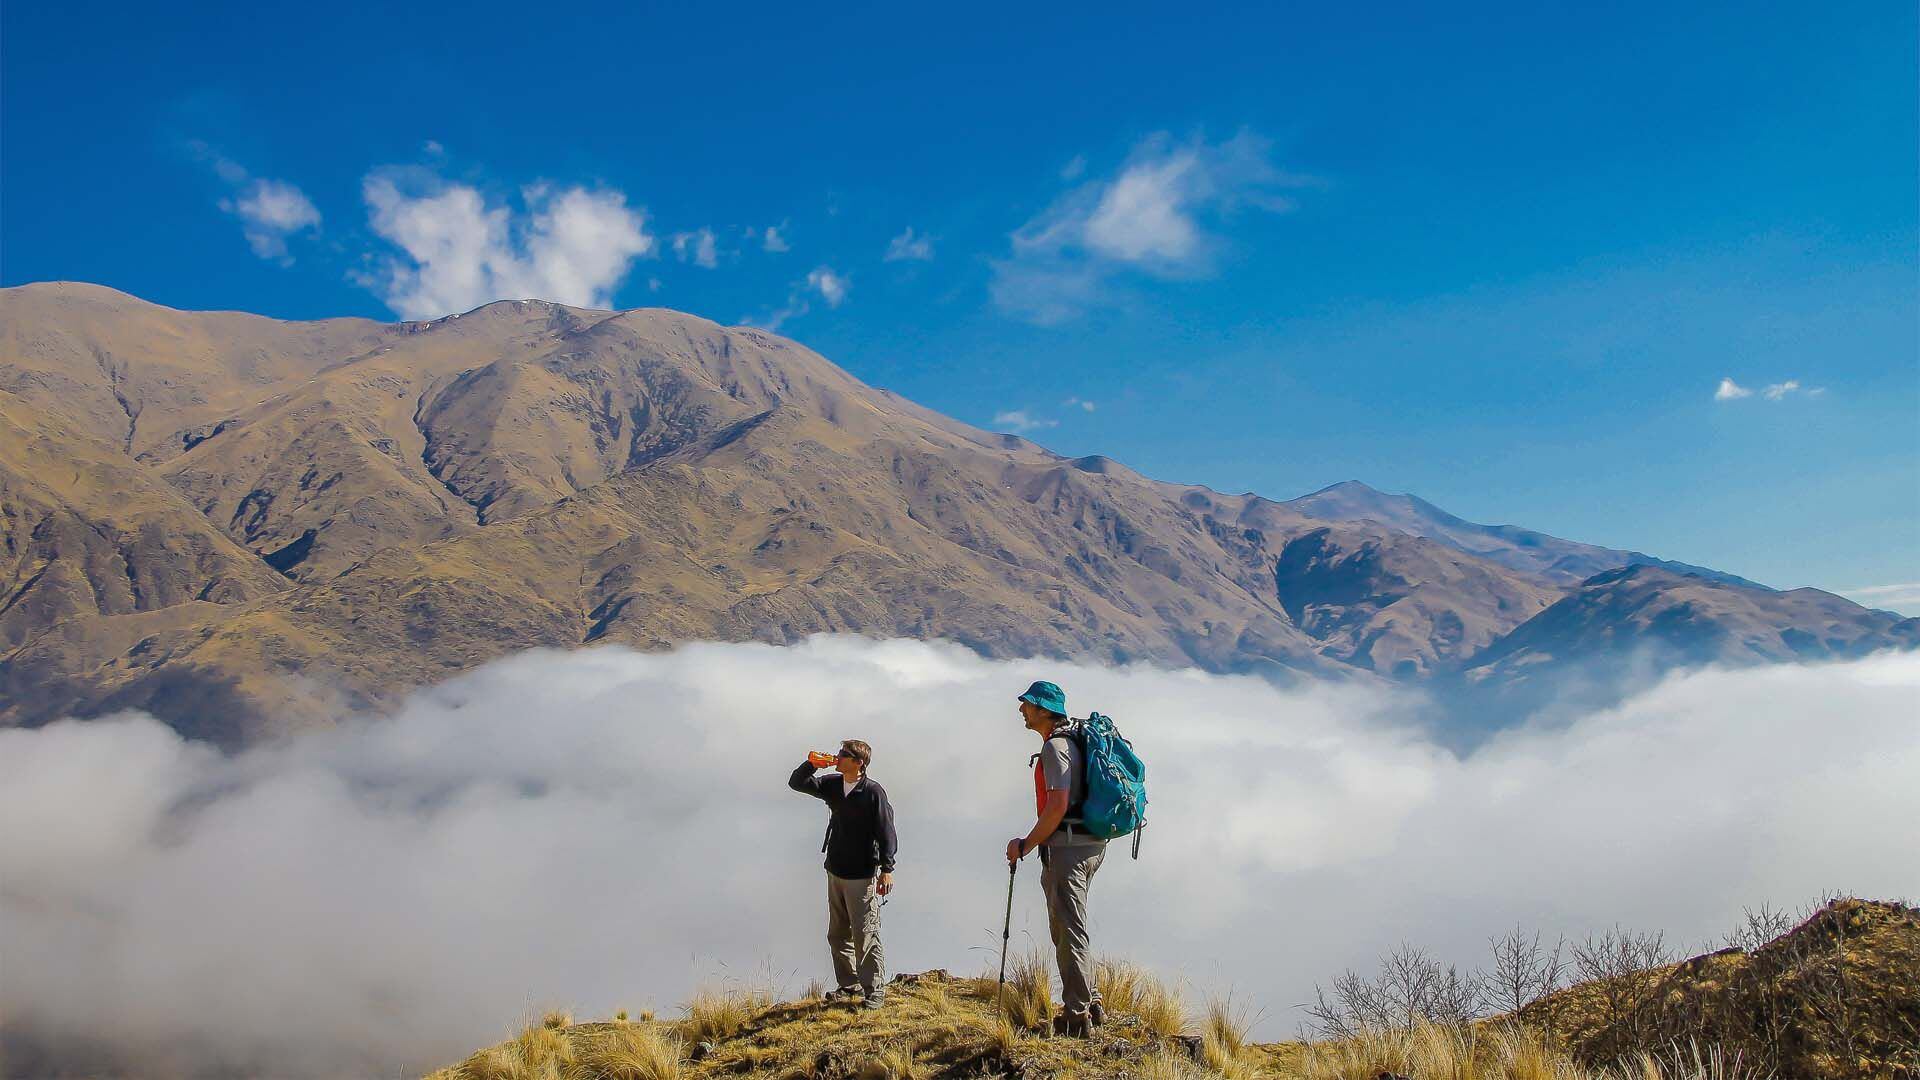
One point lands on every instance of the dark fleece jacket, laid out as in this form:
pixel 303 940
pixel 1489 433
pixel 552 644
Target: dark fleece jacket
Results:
pixel 860 835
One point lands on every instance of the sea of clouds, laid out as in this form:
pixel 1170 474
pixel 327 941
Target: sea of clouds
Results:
pixel 604 829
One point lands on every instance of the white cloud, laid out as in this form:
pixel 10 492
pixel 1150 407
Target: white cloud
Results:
pixel 1072 169
pixel 831 286
pixel 386 895
pixel 906 246
pixel 773 241
pixel 1078 403
pixel 821 281
pixel 1729 390
pixel 1020 422
pixel 270 211
pixel 570 245
pixel 1156 217
pixel 1903 598
pixel 697 247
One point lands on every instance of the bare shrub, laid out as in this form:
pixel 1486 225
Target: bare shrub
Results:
pixel 1411 988
pixel 1759 927
pixel 1524 970
pixel 1623 968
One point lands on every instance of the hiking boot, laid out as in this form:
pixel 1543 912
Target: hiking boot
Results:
pixel 1072 1026
pixel 844 993
pixel 874 1002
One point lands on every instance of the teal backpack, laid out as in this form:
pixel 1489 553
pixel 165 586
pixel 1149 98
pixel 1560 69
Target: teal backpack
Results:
pixel 1116 800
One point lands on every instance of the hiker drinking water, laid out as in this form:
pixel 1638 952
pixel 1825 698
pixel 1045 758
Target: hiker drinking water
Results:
pixel 859 842
pixel 1069 852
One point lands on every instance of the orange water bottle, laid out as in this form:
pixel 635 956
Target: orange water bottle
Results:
pixel 820 759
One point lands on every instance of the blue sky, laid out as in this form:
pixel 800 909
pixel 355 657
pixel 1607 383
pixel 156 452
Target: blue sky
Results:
pixel 1643 277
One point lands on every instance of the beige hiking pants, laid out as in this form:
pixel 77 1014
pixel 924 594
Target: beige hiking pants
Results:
pixel 853 934
pixel 1066 876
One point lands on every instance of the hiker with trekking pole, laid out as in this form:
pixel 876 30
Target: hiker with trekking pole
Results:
pixel 1088 787
pixel 859 847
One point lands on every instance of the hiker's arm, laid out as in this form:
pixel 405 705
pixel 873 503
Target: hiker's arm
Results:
pixel 802 780
pixel 888 843
pixel 1050 820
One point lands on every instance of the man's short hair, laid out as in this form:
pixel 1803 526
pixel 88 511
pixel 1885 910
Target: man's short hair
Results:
pixel 860 750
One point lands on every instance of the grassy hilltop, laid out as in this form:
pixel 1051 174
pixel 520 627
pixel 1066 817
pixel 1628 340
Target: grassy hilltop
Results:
pixel 1837 995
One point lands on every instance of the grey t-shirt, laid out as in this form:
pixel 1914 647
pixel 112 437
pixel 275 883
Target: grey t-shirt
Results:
pixel 1061 767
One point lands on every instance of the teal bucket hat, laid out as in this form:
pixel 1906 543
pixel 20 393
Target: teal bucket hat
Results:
pixel 1048 696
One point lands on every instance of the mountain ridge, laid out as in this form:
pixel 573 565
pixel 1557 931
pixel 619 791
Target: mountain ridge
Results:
pixel 415 498
pixel 1568 561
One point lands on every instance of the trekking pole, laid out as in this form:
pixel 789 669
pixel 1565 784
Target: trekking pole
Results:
pixel 1006 932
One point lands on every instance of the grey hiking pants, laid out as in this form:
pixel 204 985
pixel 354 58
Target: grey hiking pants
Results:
pixel 853 933
pixel 1066 876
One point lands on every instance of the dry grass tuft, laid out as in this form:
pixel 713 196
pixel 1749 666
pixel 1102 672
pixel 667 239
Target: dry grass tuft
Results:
pixel 558 1018
pixel 1223 1041
pixel 1691 1061
pixel 1028 998
pixel 938 1001
pixel 1127 988
pixel 1120 983
pixel 1161 1011
pixel 713 1015
pixel 1167 1063
pixel 1506 1052
pixel 540 1044
pixel 894 1063
pixel 634 1053
pixel 1005 1036
pixel 1524 1054
pixel 1227 1025
pixel 537 1053
pixel 1428 1050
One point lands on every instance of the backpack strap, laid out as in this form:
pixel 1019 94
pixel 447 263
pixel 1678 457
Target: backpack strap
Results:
pixel 1076 812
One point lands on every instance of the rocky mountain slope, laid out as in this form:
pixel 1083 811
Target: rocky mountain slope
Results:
pixel 1646 610
pixel 1837 995
pixel 244 525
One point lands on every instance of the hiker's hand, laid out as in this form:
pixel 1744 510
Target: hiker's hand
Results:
pixel 1013 848
pixel 886 883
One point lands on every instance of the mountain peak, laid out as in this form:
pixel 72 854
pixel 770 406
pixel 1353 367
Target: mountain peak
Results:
pixel 1350 488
